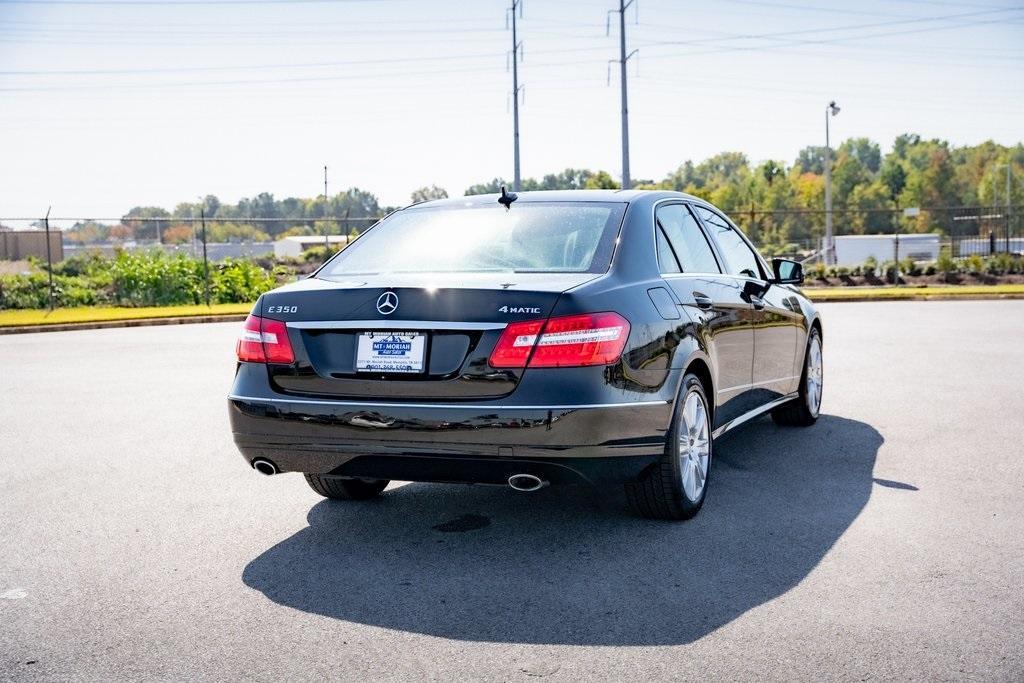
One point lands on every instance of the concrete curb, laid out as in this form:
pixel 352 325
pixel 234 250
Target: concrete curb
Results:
pixel 918 297
pixel 138 322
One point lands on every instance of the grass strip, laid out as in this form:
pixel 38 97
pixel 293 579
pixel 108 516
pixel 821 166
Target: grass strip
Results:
pixel 909 292
pixel 22 318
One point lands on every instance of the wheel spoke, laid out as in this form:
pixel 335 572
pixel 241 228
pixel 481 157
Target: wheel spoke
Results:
pixel 702 431
pixel 690 411
pixel 687 469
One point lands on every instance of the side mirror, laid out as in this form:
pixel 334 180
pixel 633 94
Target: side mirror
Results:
pixel 787 272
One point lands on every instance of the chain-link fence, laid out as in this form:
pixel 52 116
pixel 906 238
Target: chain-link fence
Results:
pixel 217 238
pixel 965 230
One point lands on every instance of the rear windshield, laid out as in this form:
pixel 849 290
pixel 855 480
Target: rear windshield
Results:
pixel 552 237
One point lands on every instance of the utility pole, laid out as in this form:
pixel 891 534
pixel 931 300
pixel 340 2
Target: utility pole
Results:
pixel 622 60
pixel 830 248
pixel 517 47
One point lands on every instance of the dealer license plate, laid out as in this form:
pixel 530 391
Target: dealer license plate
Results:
pixel 390 351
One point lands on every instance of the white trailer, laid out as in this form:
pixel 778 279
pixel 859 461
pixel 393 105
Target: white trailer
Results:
pixel 854 250
pixel 296 244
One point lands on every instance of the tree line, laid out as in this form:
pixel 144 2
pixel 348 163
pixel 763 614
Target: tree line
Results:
pixel 775 202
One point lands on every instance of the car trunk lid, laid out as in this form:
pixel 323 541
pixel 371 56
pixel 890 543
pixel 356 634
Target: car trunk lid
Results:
pixel 441 326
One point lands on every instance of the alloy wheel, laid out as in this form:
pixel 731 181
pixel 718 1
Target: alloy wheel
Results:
pixel 694 445
pixel 814 376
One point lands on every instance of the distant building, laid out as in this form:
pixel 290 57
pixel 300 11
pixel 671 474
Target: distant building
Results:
pixel 854 250
pixel 294 246
pixel 16 245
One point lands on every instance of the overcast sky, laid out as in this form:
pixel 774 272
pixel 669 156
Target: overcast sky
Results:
pixel 108 104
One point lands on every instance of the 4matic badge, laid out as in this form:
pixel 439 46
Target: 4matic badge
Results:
pixel 518 309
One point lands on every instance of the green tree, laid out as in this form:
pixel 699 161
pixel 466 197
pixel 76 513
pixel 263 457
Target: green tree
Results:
pixel 894 178
pixel 811 160
pixel 489 187
pixel 869 202
pixel 602 180
pixel 770 170
pixel 847 173
pixel 865 151
pixel 425 194
pixel 569 179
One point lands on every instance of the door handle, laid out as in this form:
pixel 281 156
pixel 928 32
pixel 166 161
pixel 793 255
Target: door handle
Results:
pixel 758 302
pixel 702 300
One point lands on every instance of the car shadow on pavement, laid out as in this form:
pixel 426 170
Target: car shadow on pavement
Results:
pixel 567 566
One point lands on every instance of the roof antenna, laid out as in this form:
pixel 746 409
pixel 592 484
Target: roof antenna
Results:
pixel 507 198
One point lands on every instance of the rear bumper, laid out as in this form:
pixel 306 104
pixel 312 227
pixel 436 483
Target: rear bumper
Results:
pixel 483 442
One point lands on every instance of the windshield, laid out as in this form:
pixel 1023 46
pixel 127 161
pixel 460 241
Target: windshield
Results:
pixel 552 237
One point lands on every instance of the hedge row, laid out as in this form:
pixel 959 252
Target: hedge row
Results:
pixel 138 279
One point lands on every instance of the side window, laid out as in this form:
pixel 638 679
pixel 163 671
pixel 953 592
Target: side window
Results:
pixel 740 260
pixel 666 259
pixel 687 239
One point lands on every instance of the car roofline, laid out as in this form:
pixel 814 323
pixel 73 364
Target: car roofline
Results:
pixel 597 196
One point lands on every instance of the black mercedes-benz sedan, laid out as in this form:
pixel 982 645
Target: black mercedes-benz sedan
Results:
pixel 550 338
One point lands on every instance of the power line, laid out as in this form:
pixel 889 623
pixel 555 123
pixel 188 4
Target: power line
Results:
pixel 853 27
pixel 185 2
pixel 839 10
pixel 195 69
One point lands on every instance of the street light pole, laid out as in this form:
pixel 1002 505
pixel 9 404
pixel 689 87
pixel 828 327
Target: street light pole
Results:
pixel 830 249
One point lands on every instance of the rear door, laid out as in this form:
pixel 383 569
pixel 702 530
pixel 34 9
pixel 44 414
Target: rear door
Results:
pixel 691 267
pixel 776 325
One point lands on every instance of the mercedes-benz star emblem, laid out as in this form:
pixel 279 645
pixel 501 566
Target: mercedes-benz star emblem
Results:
pixel 387 303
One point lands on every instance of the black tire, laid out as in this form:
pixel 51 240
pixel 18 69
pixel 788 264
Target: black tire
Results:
pixel 661 494
pixel 337 488
pixel 799 412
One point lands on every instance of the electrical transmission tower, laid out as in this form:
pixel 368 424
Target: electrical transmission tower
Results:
pixel 622 60
pixel 516 55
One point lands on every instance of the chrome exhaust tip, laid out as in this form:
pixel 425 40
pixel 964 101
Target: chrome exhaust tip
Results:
pixel 526 482
pixel 264 466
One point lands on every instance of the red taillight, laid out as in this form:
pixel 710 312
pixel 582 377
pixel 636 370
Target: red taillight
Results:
pixel 514 345
pixel 264 341
pixel 566 341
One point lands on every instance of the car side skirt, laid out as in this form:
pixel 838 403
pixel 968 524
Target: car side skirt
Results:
pixel 757 412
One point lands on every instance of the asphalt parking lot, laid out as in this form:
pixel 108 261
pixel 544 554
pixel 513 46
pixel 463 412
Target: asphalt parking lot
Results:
pixel 885 542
